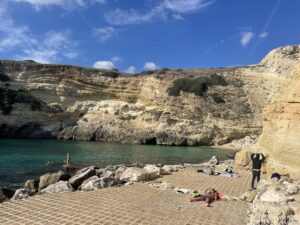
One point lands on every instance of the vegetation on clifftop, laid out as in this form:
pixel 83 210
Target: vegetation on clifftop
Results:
pixel 9 97
pixel 196 86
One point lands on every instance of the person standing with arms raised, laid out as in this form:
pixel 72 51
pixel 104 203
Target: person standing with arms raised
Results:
pixel 257 160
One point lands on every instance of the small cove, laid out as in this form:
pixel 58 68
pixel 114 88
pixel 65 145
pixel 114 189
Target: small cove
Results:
pixel 22 159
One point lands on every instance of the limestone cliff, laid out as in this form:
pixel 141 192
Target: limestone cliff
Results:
pixel 167 106
pixel 281 131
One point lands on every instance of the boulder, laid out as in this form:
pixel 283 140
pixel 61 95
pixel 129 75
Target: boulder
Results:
pixel 119 171
pixel 82 175
pixel 153 170
pixel 88 180
pixel 32 185
pixel 168 169
pixel 273 196
pixel 61 186
pixel 22 193
pixel 6 194
pixel 135 174
pixel 108 173
pixel 290 188
pixel 52 178
pixel 100 183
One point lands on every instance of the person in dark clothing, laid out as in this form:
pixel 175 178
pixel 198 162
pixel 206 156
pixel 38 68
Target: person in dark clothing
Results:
pixel 257 160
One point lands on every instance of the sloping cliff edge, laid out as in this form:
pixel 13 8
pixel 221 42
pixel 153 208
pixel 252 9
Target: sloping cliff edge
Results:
pixel 280 139
pixel 167 106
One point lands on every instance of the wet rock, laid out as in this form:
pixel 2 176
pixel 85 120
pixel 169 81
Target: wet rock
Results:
pixel 61 186
pixel 32 185
pixel 82 175
pixel 6 194
pixel 100 183
pixel 52 178
pixel 22 193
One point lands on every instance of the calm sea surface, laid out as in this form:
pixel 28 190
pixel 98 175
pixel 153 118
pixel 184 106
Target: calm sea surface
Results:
pixel 21 160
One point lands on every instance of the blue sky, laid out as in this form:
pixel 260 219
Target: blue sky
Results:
pixel 136 35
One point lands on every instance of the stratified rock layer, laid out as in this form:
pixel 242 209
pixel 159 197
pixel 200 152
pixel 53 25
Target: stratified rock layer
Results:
pixel 207 107
pixel 281 132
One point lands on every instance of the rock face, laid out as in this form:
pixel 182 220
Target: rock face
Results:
pixel 32 185
pixel 274 205
pixel 22 193
pixel 135 174
pixel 100 183
pixel 281 131
pixel 82 175
pixel 61 186
pixel 168 107
pixel 52 178
pixel 5 194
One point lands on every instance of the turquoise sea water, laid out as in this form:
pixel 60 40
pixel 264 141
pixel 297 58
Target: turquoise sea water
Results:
pixel 21 160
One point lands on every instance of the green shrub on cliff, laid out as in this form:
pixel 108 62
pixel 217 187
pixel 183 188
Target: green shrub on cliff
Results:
pixel 9 97
pixel 4 77
pixel 196 86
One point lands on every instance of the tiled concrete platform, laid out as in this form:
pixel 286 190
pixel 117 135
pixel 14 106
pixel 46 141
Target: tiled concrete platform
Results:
pixel 134 204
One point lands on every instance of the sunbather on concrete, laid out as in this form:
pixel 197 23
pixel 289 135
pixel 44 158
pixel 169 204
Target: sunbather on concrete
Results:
pixel 208 197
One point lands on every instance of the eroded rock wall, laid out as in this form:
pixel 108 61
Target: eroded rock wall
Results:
pixel 281 132
pixel 87 104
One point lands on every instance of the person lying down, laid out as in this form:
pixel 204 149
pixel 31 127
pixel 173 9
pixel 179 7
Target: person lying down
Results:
pixel 210 195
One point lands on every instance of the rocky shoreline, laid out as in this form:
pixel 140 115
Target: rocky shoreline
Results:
pixel 273 202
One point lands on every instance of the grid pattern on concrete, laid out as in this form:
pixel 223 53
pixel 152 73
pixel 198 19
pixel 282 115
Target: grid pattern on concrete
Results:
pixel 135 204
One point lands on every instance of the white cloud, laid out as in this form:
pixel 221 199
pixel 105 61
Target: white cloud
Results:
pixel 50 49
pixel 108 65
pixel 116 59
pixel 165 9
pixel 186 6
pixel 12 35
pixel 65 4
pixel 131 70
pixel 104 33
pixel 40 55
pixel 246 37
pixel 178 17
pixel 150 66
pixel 126 17
pixel 263 34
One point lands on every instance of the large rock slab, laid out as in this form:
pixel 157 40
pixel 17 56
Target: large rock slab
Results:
pixel 135 174
pixel 61 186
pixel 82 175
pixel 168 169
pixel 5 194
pixel 152 170
pixel 100 183
pixel 52 178
pixel 22 193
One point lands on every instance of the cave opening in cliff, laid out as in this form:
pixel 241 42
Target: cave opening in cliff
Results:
pixel 151 141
